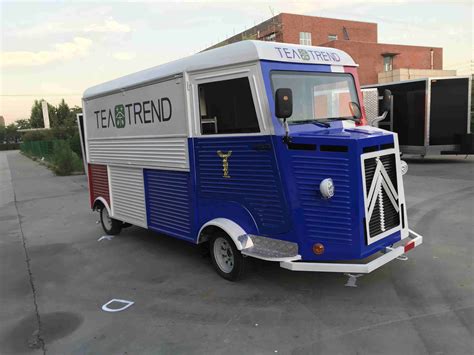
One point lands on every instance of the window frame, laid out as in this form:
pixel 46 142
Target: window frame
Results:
pixel 305 41
pixel 221 75
pixel 332 37
pixel 390 63
pixel 317 73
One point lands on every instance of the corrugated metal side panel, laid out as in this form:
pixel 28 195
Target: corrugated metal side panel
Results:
pixel 324 219
pixel 254 179
pixel 371 104
pixel 168 202
pixel 128 195
pixel 99 182
pixel 159 152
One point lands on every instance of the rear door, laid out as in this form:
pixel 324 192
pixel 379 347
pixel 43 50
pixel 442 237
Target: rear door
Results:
pixel 80 126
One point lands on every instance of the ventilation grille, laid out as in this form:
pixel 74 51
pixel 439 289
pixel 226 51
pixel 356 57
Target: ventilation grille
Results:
pixel 168 202
pixel 385 215
pixel 324 219
pixel 165 153
pixel 128 197
pixel 99 182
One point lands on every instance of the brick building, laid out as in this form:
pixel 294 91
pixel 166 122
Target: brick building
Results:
pixel 379 62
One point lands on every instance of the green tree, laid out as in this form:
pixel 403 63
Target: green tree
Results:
pixel 63 114
pixel 23 124
pixel 2 134
pixel 36 117
pixel 75 110
pixel 11 133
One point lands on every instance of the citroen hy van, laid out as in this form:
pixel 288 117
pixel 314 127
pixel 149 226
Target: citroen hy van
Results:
pixel 258 149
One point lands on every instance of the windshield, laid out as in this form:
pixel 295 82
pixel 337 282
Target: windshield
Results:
pixel 318 96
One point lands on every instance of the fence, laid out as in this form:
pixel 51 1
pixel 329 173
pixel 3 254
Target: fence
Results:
pixel 38 149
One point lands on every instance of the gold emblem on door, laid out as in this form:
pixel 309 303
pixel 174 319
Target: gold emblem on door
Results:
pixel 225 162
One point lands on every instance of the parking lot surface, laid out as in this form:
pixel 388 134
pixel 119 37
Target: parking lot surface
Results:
pixel 55 276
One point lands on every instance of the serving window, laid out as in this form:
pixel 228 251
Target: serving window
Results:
pixel 227 107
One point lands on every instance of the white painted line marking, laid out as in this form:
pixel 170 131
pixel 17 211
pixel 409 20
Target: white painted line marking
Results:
pixel 126 303
pixel 105 237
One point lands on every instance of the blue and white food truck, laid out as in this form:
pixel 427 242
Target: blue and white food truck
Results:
pixel 258 149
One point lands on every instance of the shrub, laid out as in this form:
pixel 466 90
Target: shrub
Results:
pixel 64 132
pixel 9 146
pixel 43 135
pixel 75 143
pixel 64 159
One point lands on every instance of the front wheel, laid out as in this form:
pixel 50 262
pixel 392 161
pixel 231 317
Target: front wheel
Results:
pixel 226 258
pixel 111 226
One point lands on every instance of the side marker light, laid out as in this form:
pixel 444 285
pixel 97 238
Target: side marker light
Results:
pixel 318 248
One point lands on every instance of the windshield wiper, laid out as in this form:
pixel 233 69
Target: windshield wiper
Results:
pixel 315 122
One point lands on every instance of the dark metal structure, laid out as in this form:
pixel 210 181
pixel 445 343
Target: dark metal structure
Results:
pixel 431 115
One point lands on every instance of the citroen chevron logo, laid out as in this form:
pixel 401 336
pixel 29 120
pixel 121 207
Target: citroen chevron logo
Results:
pixel 381 182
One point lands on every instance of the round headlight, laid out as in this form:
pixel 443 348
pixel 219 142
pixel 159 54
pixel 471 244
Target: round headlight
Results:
pixel 403 167
pixel 327 188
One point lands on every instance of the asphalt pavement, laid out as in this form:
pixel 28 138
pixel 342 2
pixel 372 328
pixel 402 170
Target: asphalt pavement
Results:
pixel 55 276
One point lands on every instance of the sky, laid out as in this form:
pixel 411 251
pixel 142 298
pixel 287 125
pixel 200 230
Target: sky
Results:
pixel 57 49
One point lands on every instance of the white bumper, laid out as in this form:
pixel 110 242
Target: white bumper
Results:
pixel 390 253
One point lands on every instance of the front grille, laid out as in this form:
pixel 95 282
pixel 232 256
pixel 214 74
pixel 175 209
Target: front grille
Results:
pixel 381 192
pixel 325 220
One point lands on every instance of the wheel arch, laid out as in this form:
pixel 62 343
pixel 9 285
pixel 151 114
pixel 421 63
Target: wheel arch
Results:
pixel 232 229
pixel 101 201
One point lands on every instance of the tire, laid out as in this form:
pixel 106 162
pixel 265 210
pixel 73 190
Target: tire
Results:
pixel 227 260
pixel 109 225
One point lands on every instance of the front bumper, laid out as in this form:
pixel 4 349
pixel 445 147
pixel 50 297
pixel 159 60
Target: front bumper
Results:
pixel 389 255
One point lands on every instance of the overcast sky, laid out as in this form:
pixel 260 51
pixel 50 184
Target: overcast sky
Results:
pixel 57 49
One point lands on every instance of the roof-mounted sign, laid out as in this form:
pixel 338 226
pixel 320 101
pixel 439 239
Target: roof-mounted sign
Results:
pixel 303 54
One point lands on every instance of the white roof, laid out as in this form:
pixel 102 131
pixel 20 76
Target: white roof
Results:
pixel 235 53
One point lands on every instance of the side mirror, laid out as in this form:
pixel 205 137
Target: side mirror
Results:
pixel 283 103
pixel 386 100
pixel 355 110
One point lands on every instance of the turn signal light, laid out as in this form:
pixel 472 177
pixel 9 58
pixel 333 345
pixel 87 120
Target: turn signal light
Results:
pixel 318 248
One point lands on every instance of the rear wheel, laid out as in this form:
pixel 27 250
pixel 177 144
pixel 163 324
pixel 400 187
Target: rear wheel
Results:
pixel 111 226
pixel 226 258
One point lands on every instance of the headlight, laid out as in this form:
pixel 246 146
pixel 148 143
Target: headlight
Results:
pixel 327 188
pixel 403 167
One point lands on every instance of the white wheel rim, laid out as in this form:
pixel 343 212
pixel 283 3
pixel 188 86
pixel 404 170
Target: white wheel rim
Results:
pixel 223 255
pixel 106 219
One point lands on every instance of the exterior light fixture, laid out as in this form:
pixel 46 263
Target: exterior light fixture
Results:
pixel 403 167
pixel 326 187
pixel 318 248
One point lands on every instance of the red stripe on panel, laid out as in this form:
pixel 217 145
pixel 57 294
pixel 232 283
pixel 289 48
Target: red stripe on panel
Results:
pixel 98 182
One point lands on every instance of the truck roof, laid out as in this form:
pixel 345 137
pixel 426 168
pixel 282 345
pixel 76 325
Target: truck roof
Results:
pixel 235 53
